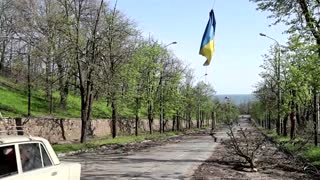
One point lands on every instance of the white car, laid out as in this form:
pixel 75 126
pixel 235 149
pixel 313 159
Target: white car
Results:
pixel 32 158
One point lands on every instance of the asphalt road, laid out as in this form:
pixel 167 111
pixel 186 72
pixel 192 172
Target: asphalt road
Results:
pixel 171 161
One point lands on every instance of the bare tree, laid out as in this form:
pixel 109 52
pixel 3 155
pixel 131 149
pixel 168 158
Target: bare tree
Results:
pixel 6 29
pixel 83 35
pixel 244 144
pixel 118 45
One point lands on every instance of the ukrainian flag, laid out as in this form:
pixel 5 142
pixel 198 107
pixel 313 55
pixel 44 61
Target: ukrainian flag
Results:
pixel 207 44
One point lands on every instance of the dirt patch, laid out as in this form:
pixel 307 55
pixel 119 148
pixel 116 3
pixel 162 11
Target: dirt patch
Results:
pixel 134 147
pixel 271 164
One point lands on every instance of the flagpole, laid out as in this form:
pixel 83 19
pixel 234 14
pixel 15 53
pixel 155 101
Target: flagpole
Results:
pixel 206 74
pixel 214 2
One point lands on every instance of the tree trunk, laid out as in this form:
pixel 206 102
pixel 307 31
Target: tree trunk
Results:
pixel 293 125
pixel 137 116
pixel 86 107
pixel 75 90
pixel 19 127
pixel 189 119
pixel 315 117
pixel 114 115
pixel 198 117
pixel 85 73
pixel 91 98
pixel 308 115
pixel 3 51
pixel 163 122
pixel 269 121
pixel 150 116
pixel 113 93
pixel 266 123
pixel 260 122
pixel 201 119
pixel 285 122
pixel 62 129
pixel 84 126
pixel 51 92
pixel 173 122
pixel 150 126
pixel 136 124
pixel 293 117
pixel 178 121
pixel 84 118
pixel 278 127
pixel 298 116
pixel 213 123
pixel 160 123
pixel 63 86
pixel 48 86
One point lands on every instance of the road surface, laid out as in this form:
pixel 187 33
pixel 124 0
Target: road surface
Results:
pixel 171 161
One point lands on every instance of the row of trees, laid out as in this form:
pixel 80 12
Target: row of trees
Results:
pixel 90 49
pixel 299 70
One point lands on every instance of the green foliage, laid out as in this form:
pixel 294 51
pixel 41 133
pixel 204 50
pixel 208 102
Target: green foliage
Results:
pixel 312 154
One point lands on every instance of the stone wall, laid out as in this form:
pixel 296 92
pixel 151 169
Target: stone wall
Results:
pixel 68 130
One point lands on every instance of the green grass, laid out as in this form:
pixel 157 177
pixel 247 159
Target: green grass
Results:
pixel 14 103
pixel 62 148
pixel 282 139
pixel 312 154
pixel 308 152
pixel 272 133
pixel 8 82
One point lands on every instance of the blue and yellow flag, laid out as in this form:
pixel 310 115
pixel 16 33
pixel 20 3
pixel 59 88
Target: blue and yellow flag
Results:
pixel 207 44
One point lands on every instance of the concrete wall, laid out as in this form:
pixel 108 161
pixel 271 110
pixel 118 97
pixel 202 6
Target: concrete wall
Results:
pixel 68 130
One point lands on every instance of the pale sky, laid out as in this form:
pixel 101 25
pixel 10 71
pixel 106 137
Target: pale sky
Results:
pixel 234 68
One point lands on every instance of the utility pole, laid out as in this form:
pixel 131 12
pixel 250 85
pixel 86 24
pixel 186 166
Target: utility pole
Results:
pixel 161 104
pixel 213 123
pixel 29 85
pixel 161 121
pixel 278 61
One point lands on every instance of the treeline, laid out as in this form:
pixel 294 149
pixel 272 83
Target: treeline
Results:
pixel 91 49
pixel 291 73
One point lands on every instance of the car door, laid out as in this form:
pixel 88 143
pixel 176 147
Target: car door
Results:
pixel 36 164
pixel 47 173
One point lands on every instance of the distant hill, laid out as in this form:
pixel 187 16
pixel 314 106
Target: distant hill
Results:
pixel 236 98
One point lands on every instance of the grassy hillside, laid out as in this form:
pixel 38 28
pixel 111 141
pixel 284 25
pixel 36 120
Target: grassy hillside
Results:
pixel 14 103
